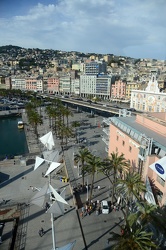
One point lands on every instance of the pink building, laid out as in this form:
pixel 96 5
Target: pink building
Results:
pixel 53 85
pixel 142 139
pixel 118 90
pixel 34 84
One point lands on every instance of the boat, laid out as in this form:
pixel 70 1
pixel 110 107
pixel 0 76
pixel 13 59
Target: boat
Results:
pixel 20 124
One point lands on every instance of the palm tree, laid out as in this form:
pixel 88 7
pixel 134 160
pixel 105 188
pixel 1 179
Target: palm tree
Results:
pixel 132 237
pixel 131 187
pixel 34 119
pixel 82 157
pixel 93 164
pixel 118 164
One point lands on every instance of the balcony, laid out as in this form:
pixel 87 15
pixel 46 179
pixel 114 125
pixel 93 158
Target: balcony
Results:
pixel 106 131
pixel 105 140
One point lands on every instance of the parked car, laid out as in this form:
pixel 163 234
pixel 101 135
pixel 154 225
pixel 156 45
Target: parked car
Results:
pixel 131 109
pixel 105 207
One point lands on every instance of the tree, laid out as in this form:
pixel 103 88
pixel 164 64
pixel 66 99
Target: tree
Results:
pixel 34 119
pixel 93 164
pixel 119 165
pixel 132 237
pixel 131 187
pixel 82 157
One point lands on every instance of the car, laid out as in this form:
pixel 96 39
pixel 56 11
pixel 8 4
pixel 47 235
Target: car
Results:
pixel 115 106
pixel 131 109
pixel 105 207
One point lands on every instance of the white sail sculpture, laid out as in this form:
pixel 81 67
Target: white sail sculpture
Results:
pixel 48 140
pixel 69 246
pixel 57 201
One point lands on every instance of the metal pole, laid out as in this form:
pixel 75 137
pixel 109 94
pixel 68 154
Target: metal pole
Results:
pixel 87 191
pixel 52 222
pixel 53 232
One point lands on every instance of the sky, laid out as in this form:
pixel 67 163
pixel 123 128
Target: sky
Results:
pixel 133 28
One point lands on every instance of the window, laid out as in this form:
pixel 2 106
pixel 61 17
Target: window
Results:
pixel 116 150
pixel 123 143
pixel 160 180
pixel 117 137
pixel 130 148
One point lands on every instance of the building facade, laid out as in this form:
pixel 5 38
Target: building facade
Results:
pixel 53 85
pixel 95 86
pixel 118 90
pixel 142 140
pixel 150 100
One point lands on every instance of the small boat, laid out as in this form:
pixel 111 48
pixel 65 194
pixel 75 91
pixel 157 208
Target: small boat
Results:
pixel 20 124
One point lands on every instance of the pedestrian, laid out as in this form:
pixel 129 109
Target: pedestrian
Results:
pixel 47 206
pixel 41 232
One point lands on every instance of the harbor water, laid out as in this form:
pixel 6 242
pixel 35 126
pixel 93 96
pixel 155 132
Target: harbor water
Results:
pixel 12 140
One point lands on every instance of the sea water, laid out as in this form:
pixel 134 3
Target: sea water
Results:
pixel 12 140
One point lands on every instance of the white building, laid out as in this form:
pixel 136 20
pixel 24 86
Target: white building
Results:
pixel 75 86
pixel 18 83
pixel 150 99
pixel 96 86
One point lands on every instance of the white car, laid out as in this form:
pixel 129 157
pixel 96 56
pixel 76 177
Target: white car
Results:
pixel 105 207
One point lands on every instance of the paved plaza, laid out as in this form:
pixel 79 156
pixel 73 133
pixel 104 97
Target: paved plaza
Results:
pixel 90 232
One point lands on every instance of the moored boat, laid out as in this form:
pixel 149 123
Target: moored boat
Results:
pixel 20 124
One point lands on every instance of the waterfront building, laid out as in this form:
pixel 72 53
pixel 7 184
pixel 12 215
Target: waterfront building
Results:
pixel 131 86
pixel 53 85
pixel 65 85
pixel 118 90
pixel 75 86
pixel 95 86
pixel 150 99
pixel 18 83
pixel 142 140
pixel 34 84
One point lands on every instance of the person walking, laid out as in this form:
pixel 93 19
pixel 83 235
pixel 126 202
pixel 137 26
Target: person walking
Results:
pixel 41 232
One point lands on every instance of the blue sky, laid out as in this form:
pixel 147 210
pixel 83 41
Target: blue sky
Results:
pixel 135 28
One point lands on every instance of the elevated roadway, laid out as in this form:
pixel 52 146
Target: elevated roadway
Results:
pixel 91 106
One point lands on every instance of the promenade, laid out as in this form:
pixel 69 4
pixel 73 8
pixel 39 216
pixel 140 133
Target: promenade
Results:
pixel 92 231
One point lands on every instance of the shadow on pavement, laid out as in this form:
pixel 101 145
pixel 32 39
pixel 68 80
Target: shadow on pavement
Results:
pixel 16 177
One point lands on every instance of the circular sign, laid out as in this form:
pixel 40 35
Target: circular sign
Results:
pixel 159 168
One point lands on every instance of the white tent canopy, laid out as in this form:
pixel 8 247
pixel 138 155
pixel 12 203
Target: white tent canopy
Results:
pixel 38 162
pixel 52 167
pixel 48 140
pixel 39 198
pixel 52 155
pixel 57 208
pixel 57 196
pixel 69 246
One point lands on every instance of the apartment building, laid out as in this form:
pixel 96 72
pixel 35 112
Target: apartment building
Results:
pixel 142 139
pixel 18 83
pixel 34 84
pixel 95 68
pixel 118 90
pixel 75 86
pixel 65 85
pixel 53 85
pixel 96 86
pixel 131 86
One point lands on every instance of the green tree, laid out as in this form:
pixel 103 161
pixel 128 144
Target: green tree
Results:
pixel 119 165
pixel 132 237
pixel 82 157
pixel 131 187
pixel 93 164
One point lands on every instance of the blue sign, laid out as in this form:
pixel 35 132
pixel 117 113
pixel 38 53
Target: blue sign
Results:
pixel 159 168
